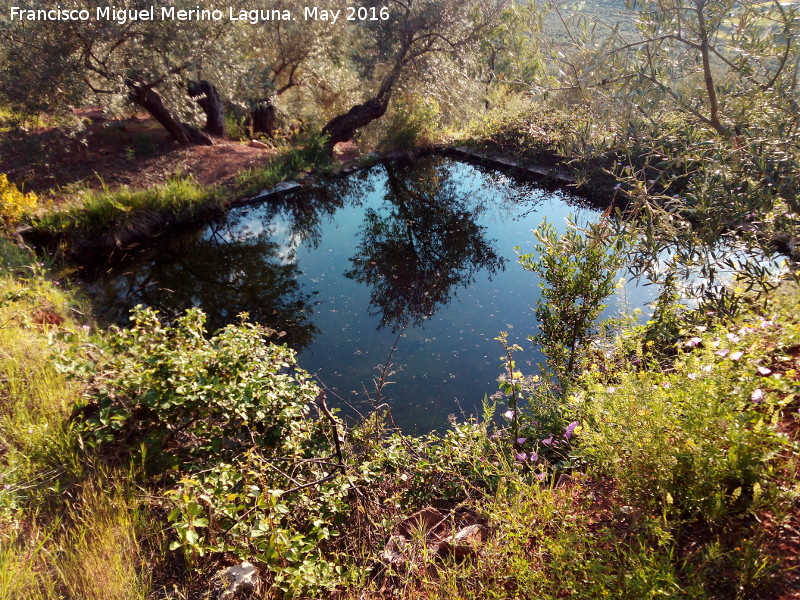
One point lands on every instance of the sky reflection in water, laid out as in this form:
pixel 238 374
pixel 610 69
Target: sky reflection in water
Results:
pixel 424 252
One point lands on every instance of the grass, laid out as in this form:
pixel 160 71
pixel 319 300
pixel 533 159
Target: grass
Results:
pixel 111 217
pixel 180 197
pixel 66 529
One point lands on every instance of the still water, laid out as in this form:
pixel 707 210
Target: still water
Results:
pixel 411 264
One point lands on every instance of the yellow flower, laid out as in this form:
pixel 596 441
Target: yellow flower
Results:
pixel 13 203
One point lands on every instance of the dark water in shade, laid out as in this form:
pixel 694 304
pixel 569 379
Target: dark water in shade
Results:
pixel 422 255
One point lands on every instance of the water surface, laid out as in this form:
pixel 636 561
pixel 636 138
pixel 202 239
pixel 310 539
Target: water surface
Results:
pixel 410 264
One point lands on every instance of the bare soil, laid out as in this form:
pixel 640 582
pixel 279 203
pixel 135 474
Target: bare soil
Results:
pixel 135 152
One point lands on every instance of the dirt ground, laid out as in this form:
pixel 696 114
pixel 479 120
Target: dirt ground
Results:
pixel 135 152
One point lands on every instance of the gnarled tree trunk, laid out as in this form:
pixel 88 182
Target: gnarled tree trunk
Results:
pixel 344 127
pixel 207 96
pixel 151 101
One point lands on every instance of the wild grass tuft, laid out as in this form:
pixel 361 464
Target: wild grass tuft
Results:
pixel 107 208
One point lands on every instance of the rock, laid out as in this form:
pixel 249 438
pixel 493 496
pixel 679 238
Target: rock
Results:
pixel 429 521
pixel 467 542
pixel 395 553
pixel 242 581
pixel 257 144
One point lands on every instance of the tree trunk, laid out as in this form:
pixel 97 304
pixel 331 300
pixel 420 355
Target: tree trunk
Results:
pixel 206 95
pixel 148 99
pixel 263 118
pixel 344 127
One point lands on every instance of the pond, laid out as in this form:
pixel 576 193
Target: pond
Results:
pixel 411 265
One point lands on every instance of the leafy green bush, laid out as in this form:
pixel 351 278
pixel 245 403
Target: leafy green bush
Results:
pixel 227 424
pixel 697 438
pixel 172 397
pixel 414 122
pixel 578 272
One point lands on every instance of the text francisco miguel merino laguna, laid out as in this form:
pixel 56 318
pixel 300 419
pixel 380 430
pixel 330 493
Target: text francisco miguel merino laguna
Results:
pixel 170 13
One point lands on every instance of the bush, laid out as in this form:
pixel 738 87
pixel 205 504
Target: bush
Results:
pixel 13 203
pixel 696 439
pixel 227 424
pixel 414 123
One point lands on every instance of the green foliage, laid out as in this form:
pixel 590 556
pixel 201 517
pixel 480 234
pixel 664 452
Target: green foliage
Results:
pixel 517 126
pixel 578 272
pixel 172 397
pixel 414 122
pixel 697 438
pixel 307 152
pixel 226 424
pixel 125 208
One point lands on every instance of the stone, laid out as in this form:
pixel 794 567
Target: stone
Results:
pixel 467 542
pixel 242 581
pixel 429 521
pixel 395 553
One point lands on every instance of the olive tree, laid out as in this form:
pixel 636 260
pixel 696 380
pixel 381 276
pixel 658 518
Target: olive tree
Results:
pixel 54 65
pixel 411 39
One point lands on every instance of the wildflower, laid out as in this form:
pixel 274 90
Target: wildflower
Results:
pixel 536 423
pixel 767 324
pixel 611 390
pixel 764 371
pixel 708 368
pixel 732 337
pixel 665 385
pixel 702 328
pixel 692 342
pixel 746 330
pixel 692 376
pixel 509 414
pixel 533 457
pixel 723 352
pixel 548 441
pixel 540 476
pixel 737 355
pixel 570 429
pixel 522 457
pixel 521 441
pixel 757 396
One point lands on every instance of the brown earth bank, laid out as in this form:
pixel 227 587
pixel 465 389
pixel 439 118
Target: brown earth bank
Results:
pixel 135 152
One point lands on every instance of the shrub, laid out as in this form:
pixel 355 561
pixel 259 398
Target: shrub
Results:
pixel 414 122
pixel 696 439
pixel 227 424
pixel 578 272
pixel 13 203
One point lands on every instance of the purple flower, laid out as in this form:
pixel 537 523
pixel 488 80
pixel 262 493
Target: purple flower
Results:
pixel 723 352
pixel 521 441
pixel 757 396
pixel 767 324
pixel 764 371
pixel 570 429
pixel 509 414
pixel 691 343
pixel 548 441
pixel 737 355
pixel 540 476
pixel 732 337
pixel 522 457
pixel 536 423
pixel 534 457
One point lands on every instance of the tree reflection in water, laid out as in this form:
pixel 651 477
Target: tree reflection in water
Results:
pixel 423 248
pixel 224 268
